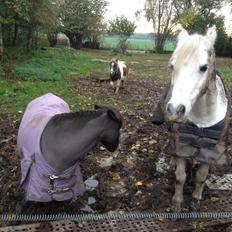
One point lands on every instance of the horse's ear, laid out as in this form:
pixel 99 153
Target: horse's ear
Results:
pixel 182 35
pixel 115 115
pixel 211 34
pixel 97 107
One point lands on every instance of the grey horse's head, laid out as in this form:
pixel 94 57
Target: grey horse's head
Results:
pixel 110 137
pixel 192 65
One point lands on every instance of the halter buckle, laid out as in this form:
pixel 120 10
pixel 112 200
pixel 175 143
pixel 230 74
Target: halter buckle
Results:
pixel 53 177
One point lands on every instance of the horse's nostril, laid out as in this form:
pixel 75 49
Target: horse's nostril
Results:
pixel 170 108
pixel 181 109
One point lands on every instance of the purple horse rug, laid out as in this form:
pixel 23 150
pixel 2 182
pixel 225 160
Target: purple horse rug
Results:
pixel 39 180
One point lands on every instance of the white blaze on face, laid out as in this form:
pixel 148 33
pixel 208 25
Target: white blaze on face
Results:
pixel 190 63
pixel 112 67
pixel 187 79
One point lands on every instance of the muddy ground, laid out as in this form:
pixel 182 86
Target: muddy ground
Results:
pixel 134 178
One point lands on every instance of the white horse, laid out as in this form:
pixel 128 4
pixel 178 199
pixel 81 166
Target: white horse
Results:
pixel 197 105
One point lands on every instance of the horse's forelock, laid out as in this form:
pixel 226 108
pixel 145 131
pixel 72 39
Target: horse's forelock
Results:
pixel 190 50
pixel 114 60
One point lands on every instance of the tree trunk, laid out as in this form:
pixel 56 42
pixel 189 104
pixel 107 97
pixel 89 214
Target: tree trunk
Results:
pixel 71 38
pixel 79 44
pixel 36 37
pixel 157 46
pixel 73 41
pixel 15 37
pixel 52 38
pixel 29 38
pixel 1 42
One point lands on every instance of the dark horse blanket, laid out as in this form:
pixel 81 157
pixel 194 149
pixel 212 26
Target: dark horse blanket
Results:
pixel 39 180
pixel 202 145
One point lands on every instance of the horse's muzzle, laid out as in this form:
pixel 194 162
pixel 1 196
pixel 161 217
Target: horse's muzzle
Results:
pixel 175 114
pixel 111 147
pixel 112 74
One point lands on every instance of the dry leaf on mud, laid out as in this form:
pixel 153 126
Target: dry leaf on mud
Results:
pixel 135 146
pixel 138 184
pixel 116 176
pixel 102 148
pixel 214 199
pixel 129 161
pixel 153 141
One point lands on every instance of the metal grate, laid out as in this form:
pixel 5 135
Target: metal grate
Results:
pixel 106 226
pixel 62 226
pixel 147 225
pixel 141 225
pixel 220 183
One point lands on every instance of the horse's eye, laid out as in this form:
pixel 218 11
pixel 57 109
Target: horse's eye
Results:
pixel 171 66
pixel 203 68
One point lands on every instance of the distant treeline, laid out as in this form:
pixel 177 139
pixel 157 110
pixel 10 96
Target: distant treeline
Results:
pixel 25 23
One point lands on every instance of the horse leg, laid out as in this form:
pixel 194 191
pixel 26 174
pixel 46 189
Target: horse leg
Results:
pixel 123 83
pixel 117 86
pixel 112 84
pixel 180 180
pixel 201 176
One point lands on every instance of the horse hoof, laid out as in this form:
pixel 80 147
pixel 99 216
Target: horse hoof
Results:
pixel 176 206
pixel 195 205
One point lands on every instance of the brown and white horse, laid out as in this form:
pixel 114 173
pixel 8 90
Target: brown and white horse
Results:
pixel 118 73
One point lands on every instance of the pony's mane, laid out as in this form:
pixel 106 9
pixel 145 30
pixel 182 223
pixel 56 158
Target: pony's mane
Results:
pixel 78 114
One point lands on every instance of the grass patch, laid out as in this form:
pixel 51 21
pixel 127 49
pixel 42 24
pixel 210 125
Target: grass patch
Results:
pixel 136 44
pixel 224 66
pixel 47 70
pixel 54 64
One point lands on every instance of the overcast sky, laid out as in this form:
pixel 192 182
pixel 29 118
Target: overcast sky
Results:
pixel 129 7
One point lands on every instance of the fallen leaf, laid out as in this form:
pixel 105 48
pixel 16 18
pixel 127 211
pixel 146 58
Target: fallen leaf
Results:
pixel 102 148
pixel 135 146
pixel 129 161
pixel 214 199
pixel 153 141
pixel 138 183
pixel 116 176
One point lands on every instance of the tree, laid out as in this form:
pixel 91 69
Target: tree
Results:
pixel 203 7
pixel 194 22
pixel 42 15
pixel 81 19
pixel 11 11
pixel 160 13
pixel 122 27
pixel 198 15
pixel 20 20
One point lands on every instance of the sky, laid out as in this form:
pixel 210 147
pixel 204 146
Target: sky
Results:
pixel 129 7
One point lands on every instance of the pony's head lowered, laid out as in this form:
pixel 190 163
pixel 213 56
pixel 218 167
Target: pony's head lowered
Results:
pixel 110 137
pixel 192 65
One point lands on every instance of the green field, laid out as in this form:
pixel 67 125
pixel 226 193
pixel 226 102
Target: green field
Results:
pixel 135 44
